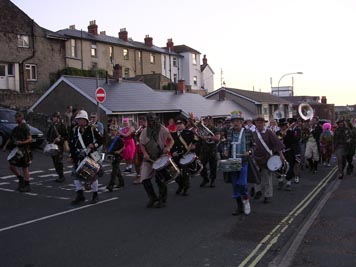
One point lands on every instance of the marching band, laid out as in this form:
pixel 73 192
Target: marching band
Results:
pixel 248 152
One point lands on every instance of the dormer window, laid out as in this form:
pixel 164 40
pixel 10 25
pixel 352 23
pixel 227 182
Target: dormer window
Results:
pixel 194 59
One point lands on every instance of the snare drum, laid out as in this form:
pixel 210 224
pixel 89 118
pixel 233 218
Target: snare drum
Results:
pixel 166 169
pixel 192 163
pixel 87 169
pixel 274 163
pixel 96 156
pixel 229 165
pixel 15 156
pixel 51 150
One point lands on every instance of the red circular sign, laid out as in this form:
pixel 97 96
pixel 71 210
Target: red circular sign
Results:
pixel 100 94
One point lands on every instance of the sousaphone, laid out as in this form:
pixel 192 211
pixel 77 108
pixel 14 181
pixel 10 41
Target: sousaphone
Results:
pixel 305 111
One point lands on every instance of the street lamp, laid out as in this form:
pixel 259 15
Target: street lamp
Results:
pixel 299 72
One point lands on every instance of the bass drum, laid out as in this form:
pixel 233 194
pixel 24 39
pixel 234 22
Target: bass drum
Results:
pixel 274 163
pixel 166 169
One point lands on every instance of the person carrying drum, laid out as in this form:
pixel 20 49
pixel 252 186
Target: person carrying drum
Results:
pixel 56 134
pixel 153 142
pixel 240 143
pixel 84 140
pixel 115 148
pixel 21 138
pixel 267 144
pixel 183 143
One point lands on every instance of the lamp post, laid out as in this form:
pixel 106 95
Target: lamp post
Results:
pixel 299 72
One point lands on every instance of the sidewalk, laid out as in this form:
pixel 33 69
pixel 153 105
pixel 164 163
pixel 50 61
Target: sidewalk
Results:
pixel 331 239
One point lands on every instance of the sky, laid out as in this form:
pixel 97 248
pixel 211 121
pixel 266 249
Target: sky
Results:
pixel 247 43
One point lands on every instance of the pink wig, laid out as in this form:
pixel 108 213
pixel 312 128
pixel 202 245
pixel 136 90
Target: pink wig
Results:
pixel 326 126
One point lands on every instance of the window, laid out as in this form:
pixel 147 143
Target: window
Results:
pixel 175 77
pixel 164 62
pixel 10 69
pixel 73 48
pixel 23 41
pixel 31 72
pixel 93 50
pixel 194 58
pixel 2 70
pixel 126 73
pixel 195 80
pixel 111 53
pixel 174 62
pixel 126 54
pixel 152 58
pixel 139 53
pixel 265 110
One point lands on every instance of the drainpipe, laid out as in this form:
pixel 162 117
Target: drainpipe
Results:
pixel 21 67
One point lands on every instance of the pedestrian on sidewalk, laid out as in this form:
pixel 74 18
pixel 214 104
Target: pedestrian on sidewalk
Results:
pixel 342 138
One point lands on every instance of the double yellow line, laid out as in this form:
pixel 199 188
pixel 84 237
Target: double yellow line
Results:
pixel 272 237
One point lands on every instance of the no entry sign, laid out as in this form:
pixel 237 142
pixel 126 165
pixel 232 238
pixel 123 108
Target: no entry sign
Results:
pixel 100 94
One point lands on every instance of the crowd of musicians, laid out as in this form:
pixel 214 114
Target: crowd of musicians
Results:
pixel 251 153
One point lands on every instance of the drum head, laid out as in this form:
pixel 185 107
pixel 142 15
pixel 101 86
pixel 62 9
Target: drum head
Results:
pixel 274 163
pixel 188 158
pixel 160 162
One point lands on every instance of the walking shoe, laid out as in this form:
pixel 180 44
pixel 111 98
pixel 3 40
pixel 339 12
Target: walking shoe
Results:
pixel 247 206
pixel 288 187
pixel 341 177
pixel 128 170
pixel 79 198
pixel 160 204
pixel 109 187
pixel 266 200
pixel 151 202
pixel 204 182
pixel 21 182
pixel 296 179
pixel 137 180
pixel 185 193
pixel 179 190
pixel 60 179
pixel 95 198
pixel 212 184
pixel 239 209
pixel 258 195
pixel 25 188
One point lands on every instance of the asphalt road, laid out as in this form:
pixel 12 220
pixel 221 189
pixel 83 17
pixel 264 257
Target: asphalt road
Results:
pixel 41 228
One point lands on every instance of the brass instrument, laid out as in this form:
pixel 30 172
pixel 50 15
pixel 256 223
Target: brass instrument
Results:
pixel 305 111
pixel 202 130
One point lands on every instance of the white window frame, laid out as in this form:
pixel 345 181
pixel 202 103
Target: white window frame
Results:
pixel 23 41
pixel 139 56
pixel 93 50
pixel 111 53
pixel 126 72
pixel 174 61
pixel 125 53
pixel 152 58
pixel 32 68
pixel 194 58
pixel 73 48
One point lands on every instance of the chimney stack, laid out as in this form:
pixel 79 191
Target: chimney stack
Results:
pixel 170 45
pixel 93 28
pixel 72 27
pixel 205 61
pixel 103 33
pixel 323 100
pixel 148 41
pixel 123 34
pixel 117 73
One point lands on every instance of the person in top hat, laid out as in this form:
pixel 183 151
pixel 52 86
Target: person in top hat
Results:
pixel 21 138
pixel 56 134
pixel 312 148
pixel 267 144
pixel 241 144
pixel 84 140
pixel 184 142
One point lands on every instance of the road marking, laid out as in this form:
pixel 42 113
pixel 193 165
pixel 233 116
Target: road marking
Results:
pixel 48 175
pixel 56 215
pixel 8 176
pixel 272 237
pixel 4 183
pixel 288 257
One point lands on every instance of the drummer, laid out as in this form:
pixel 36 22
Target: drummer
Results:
pixel 21 138
pixel 153 142
pixel 56 134
pixel 184 142
pixel 240 143
pixel 267 143
pixel 83 137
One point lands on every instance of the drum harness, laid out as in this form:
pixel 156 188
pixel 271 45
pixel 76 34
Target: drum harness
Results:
pixel 234 155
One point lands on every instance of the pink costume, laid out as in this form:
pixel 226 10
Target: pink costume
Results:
pixel 130 147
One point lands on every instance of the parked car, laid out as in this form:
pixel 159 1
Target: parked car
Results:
pixel 8 123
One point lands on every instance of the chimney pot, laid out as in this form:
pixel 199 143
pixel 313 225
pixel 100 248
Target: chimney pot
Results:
pixel 72 27
pixel 103 33
pixel 205 61
pixel 170 44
